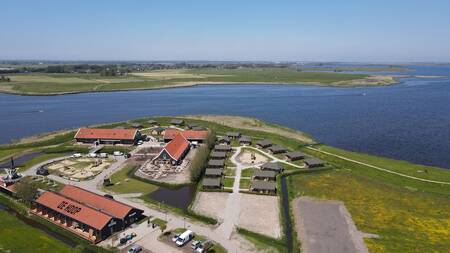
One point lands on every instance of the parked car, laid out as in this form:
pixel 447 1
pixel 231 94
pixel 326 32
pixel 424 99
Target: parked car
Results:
pixel 184 238
pixel 204 247
pixel 76 155
pixel 195 244
pixel 140 142
pixel 117 153
pixel 135 249
pixel 104 155
pixel 92 155
pixel 175 237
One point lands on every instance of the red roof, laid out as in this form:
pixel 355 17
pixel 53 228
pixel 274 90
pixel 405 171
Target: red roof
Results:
pixel 107 205
pixel 176 147
pixel 106 134
pixel 188 134
pixel 75 210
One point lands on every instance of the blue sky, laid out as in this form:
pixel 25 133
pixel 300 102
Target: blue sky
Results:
pixel 353 30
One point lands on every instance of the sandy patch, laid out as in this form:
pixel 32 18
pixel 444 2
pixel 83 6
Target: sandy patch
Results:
pixel 260 214
pixel 80 168
pixel 368 81
pixel 250 158
pixel 211 204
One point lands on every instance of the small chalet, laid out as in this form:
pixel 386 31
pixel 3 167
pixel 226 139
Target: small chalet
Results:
pixel 211 183
pixel 218 155
pixel 216 164
pixel 174 152
pixel 313 162
pixel 263 144
pixel 177 122
pixel 158 131
pixel 272 166
pixel 277 149
pixel 233 135
pixel 263 187
pixel 213 172
pixel 108 136
pixel 222 148
pixel 137 125
pixel 294 156
pixel 268 175
pixel 245 140
pixel 224 140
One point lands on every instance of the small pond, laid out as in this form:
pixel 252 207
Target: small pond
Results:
pixel 179 198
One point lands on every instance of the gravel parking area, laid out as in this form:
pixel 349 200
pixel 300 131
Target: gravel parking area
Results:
pixel 260 214
pixel 326 227
pixel 212 204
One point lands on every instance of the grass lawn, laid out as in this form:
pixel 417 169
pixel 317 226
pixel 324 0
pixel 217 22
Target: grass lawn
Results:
pixel 248 172
pixel 228 182
pixel 407 221
pixel 124 184
pixel 244 184
pixel 230 172
pixel 39 159
pixel 46 184
pixel 16 236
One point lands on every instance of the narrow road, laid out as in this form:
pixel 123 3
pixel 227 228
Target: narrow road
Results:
pixel 231 217
pixel 380 169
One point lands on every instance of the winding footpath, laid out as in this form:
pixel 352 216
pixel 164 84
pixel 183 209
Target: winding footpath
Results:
pixel 380 169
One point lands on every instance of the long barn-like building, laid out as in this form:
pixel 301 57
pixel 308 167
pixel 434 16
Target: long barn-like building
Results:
pixel 108 136
pixel 84 213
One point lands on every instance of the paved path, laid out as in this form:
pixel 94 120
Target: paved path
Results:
pixel 326 227
pixel 232 210
pixel 380 169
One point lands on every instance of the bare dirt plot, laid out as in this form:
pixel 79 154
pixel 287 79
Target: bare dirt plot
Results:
pixel 249 158
pixel 211 204
pixel 326 226
pixel 260 214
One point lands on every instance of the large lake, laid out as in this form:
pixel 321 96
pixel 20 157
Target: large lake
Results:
pixel 409 121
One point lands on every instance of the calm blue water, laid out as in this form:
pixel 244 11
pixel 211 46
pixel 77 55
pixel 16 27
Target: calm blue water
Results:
pixel 409 121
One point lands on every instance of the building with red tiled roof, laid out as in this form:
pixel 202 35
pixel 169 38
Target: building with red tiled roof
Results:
pixel 88 215
pixel 190 135
pixel 108 136
pixel 174 151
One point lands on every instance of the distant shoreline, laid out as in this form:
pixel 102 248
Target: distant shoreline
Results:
pixel 370 81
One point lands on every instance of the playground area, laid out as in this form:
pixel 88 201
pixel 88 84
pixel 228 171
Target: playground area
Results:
pixel 249 157
pixel 79 168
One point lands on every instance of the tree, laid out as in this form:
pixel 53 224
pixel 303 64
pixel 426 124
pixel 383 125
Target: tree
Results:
pixel 26 191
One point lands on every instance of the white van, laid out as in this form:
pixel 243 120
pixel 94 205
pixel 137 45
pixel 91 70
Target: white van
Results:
pixel 184 238
pixel 92 155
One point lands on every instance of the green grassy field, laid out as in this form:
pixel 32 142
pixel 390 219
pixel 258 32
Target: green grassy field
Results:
pixel 124 184
pixel 16 236
pixel 42 84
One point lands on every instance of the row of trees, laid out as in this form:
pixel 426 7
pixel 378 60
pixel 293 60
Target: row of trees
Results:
pixel 198 163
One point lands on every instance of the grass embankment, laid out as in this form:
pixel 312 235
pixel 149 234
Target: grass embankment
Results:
pixel 53 84
pixel 17 236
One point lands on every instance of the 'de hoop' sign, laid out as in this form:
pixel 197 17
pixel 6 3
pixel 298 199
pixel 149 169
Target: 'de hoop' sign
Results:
pixel 70 208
